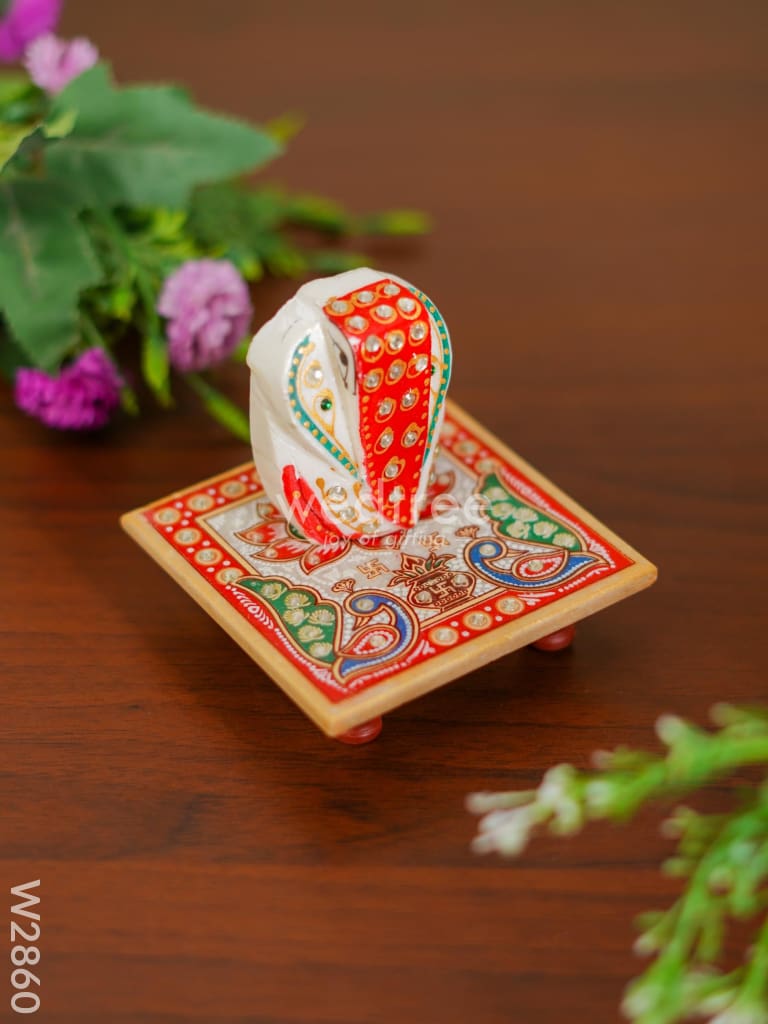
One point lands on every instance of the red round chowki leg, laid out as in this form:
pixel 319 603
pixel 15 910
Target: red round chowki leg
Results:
pixel 364 733
pixel 557 641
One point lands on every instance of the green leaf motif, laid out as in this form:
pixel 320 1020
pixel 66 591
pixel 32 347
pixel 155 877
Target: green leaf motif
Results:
pixel 311 624
pixel 519 520
pixel 46 260
pixel 147 145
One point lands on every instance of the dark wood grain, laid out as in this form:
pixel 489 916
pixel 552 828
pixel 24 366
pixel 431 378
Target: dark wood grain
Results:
pixel 597 173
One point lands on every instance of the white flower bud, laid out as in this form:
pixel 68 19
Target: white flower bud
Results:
pixel 669 728
pixel 640 997
pixel 506 832
pixel 602 759
pixel 646 944
pixel 672 828
pixel 599 795
pixel 481 803
pixel 742 1013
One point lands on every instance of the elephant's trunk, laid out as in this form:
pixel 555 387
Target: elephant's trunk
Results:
pixel 388 329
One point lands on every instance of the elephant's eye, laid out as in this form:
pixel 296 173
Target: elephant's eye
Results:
pixel 349 379
pixel 343 359
pixel 326 404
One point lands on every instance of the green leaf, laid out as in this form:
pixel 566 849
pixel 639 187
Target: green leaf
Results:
pixel 129 401
pixel 147 145
pixel 13 86
pixel 11 138
pixel 226 214
pixel 120 302
pixel 155 367
pixel 28 136
pixel 60 124
pixel 245 227
pixel 393 222
pixel 221 408
pixel 238 356
pixel 282 258
pixel 317 212
pixel 167 225
pixel 23 109
pixel 250 266
pixel 46 260
pixel 21 101
pixel 285 127
pixel 335 261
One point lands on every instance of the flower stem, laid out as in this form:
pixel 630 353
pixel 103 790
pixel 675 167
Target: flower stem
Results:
pixel 155 363
pixel 659 995
pixel 689 764
pixel 128 398
pixel 755 986
pixel 220 407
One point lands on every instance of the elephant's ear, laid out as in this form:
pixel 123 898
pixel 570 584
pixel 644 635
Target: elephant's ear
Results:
pixel 441 369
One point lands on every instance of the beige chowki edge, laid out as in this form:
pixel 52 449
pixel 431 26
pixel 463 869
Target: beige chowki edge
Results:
pixel 382 542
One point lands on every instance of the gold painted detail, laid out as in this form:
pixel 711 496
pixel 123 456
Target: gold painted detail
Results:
pixel 307 403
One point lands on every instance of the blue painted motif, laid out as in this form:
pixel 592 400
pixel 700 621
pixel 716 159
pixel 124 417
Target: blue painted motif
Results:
pixel 493 549
pixel 368 604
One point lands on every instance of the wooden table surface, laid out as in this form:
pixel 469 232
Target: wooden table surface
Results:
pixel 597 174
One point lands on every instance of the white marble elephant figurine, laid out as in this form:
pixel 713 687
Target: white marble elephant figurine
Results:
pixel 348 385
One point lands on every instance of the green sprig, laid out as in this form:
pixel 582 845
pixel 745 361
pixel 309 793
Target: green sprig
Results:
pixel 220 407
pixel 723 859
pixel 104 191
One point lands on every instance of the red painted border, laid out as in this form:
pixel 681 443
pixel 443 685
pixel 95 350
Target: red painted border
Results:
pixel 180 521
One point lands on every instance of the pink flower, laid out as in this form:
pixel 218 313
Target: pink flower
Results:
pixel 52 63
pixel 209 309
pixel 81 397
pixel 23 22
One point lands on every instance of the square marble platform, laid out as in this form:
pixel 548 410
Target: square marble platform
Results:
pixel 354 631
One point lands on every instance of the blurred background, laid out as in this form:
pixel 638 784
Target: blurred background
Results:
pixel 596 174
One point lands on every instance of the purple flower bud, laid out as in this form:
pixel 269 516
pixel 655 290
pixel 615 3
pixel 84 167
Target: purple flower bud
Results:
pixel 23 22
pixel 52 63
pixel 209 310
pixel 81 397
